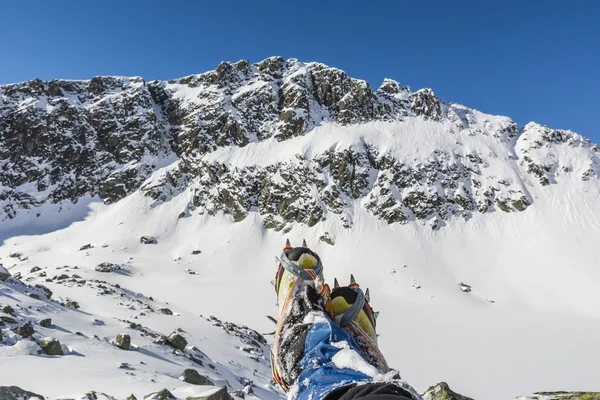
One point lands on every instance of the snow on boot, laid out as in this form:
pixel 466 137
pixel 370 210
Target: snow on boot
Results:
pixel 352 312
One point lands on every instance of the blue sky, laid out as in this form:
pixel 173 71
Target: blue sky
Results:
pixel 530 60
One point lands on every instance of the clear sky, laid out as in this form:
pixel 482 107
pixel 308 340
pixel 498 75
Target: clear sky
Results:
pixel 530 60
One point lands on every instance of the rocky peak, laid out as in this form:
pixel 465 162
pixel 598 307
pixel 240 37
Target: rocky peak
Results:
pixel 63 140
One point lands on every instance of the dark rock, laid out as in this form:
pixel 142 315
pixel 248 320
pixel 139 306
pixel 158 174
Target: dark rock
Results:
pixel 86 247
pixel 148 240
pixel 34 269
pixel 238 393
pixel 16 393
pixel 165 311
pixel 123 341
pixel 46 322
pixel 8 320
pixel 61 277
pixel 326 237
pixel 8 310
pixel 196 252
pixel 107 267
pixel 26 330
pixel 46 291
pixel 177 341
pixel 465 287
pixel 4 274
pixel 51 346
pixel 220 394
pixel 72 304
pixel 192 376
pixel 161 395
pixel 131 397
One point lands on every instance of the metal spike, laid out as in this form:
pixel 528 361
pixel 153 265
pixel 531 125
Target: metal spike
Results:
pixel 367 296
pixel 375 315
pixel 304 243
pixel 287 243
pixel 352 280
pixel 336 284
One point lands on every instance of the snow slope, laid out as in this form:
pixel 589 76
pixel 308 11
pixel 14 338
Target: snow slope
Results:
pixel 530 322
pixel 417 198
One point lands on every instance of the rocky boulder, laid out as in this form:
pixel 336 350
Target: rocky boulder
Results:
pixel 4 274
pixel 148 240
pixel 160 395
pixel 123 341
pixel 192 376
pixel 107 267
pixel 177 341
pixel 26 330
pixel 219 394
pixel 45 323
pixel 51 346
pixel 442 391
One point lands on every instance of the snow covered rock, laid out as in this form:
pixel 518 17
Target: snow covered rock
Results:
pixel 177 341
pixel 123 341
pixel 442 391
pixel 51 346
pixel 26 330
pixel 192 376
pixel 218 394
pixel 562 396
pixel 160 395
pixel 45 323
pixel 4 274
pixel 148 240
pixel 16 393
pixel 107 267
pixel 8 310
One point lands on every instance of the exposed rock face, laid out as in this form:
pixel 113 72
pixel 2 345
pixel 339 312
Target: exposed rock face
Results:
pixel 220 394
pixel 192 376
pixel 45 323
pixel 26 330
pixel 66 140
pixel 51 346
pixel 177 341
pixel 161 395
pixel 4 274
pixel 442 391
pixel 562 396
pixel 123 341
pixel 16 393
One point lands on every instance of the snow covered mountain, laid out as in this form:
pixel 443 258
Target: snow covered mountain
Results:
pixel 476 237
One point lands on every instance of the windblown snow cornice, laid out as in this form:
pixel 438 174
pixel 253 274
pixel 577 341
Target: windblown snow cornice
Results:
pixel 295 142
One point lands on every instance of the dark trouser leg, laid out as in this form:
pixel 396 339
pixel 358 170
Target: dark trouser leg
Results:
pixel 370 391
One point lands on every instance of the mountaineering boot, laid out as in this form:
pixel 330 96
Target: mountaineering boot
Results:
pixel 297 264
pixel 300 289
pixel 353 313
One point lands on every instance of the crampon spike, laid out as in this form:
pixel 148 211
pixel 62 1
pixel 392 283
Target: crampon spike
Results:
pixel 336 284
pixel 288 245
pixel 375 315
pixel 353 281
pixel 367 296
pixel 304 243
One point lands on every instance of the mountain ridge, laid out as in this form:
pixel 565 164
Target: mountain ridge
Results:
pixel 63 140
